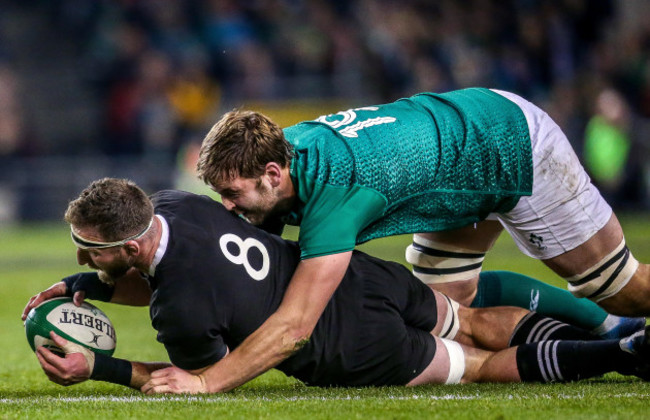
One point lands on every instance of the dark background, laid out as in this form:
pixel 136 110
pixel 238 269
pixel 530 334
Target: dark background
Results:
pixel 128 88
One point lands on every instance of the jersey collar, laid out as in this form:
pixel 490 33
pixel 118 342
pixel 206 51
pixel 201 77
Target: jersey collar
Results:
pixel 162 245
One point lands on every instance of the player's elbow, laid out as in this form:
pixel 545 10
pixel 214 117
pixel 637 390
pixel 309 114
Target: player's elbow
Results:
pixel 299 339
pixel 296 336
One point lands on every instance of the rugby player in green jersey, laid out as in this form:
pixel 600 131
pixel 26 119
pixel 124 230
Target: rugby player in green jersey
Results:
pixel 210 280
pixel 455 169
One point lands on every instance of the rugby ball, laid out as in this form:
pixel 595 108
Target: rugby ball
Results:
pixel 86 325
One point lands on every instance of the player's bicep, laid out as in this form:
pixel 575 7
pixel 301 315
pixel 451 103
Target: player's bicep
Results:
pixel 311 288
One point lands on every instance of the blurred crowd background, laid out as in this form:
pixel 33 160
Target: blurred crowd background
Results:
pixel 128 88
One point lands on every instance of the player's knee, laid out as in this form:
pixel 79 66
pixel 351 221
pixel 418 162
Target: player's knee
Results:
pixel 607 277
pixel 437 263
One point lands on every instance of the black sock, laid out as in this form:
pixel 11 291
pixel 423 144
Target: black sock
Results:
pixel 535 327
pixel 563 361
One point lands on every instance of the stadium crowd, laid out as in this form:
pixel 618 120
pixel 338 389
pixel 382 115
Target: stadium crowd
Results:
pixel 161 74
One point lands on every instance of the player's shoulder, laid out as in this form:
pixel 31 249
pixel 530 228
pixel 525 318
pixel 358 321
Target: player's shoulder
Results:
pixel 163 196
pixel 176 198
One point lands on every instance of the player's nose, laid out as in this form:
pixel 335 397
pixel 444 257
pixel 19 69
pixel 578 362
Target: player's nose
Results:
pixel 83 257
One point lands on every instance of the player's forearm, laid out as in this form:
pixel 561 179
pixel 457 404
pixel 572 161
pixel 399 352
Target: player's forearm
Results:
pixel 267 347
pixel 287 330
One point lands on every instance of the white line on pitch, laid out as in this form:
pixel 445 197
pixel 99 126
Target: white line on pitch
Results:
pixel 219 399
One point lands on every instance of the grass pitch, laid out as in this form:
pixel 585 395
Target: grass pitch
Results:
pixel 33 257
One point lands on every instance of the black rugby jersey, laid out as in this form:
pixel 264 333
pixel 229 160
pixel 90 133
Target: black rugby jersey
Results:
pixel 220 278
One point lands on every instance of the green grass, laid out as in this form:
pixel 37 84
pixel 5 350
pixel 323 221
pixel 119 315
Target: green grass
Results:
pixel 33 257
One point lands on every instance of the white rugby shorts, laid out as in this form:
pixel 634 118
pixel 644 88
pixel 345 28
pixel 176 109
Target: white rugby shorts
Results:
pixel 565 208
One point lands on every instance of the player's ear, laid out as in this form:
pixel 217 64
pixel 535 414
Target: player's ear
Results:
pixel 132 248
pixel 273 171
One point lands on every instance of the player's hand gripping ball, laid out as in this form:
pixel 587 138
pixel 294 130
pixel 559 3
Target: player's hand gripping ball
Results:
pixel 86 325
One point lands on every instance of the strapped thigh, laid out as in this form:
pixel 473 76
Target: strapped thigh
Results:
pixel 435 262
pixel 607 277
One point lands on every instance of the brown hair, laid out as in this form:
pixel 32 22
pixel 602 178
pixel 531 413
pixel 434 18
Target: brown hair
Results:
pixel 241 143
pixel 117 208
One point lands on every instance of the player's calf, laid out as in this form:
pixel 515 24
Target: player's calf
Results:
pixel 535 327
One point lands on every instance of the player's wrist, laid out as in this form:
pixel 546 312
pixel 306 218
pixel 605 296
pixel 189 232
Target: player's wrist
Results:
pixel 89 283
pixel 111 369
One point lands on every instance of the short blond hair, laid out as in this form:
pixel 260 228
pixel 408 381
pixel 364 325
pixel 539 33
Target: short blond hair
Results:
pixel 240 144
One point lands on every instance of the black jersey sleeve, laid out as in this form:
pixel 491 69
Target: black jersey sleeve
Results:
pixel 191 346
pixel 211 353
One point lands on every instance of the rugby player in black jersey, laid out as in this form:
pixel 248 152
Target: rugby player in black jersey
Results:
pixel 211 279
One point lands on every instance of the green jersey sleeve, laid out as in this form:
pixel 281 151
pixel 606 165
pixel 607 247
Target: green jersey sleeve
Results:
pixel 334 216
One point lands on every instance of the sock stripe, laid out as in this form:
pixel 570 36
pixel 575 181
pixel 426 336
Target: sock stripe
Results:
pixel 547 361
pixel 542 330
pixel 546 328
pixel 555 361
pixel 551 330
pixel 514 338
pixel 540 361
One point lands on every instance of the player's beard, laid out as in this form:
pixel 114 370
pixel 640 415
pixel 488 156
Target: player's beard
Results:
pixel 264 208
pixel 271 206
pixel 111 274
pixel 105 278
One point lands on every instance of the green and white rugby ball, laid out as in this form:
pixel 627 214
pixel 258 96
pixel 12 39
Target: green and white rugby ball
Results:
pixel 86 325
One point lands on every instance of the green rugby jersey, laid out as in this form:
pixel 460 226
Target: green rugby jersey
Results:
pixel 426 163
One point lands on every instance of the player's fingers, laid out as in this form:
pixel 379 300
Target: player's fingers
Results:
pixel 57 289
pixel 160 389
pixel 160 373
pixel 53 374
pixel 53 360
pixel 48 360
pixel 79 297
pixel 148 388
pixel 68 347
pixel 58 340
pixel 28 307
pixel 156 384
pixel 145 388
